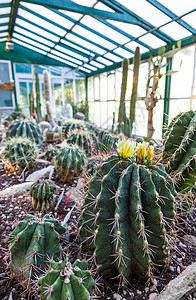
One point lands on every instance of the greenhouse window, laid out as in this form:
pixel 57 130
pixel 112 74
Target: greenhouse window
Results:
pixel 29 41
pixel 175 30
pixel 28 46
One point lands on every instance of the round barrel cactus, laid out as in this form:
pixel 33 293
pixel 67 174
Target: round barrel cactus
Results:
pixel 19 153
pixel 109 142
pixel 127 213
pixel 50 152
pixel 26 129
pixel 180 150
pixel 64 280
pixel 70 126
pixel 34 241
pixel 69 162
pixel 43 195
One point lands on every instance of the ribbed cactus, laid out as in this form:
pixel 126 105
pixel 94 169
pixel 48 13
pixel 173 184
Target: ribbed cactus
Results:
pixel 88 142
pixel 108 142
pixel 70 126
pixel 180 150
pixel 26 129
pixel 125 65
pixel 69 162
pixel 43 195
pixel 93 164
pixel 64 280
pixel 34 241
pixel 50 152
pixel 19 153
pixel 128 209
pixel 47 95
pixel 38 101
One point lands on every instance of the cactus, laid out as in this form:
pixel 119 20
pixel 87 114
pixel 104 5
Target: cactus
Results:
pixel 180 148
pixel 69 162
pixel 136 65
pixel 38 101
pixel 26 129
pixel 45 125
pixel 64 280
pixel 33 242
pixel 43 195
pixel 87 141
pixel 47 94
pixel 108 142
pixel 70 126
pixel 125 65
pixel 127 214
pixel 19 153
pixel 93 164
pixel 50 152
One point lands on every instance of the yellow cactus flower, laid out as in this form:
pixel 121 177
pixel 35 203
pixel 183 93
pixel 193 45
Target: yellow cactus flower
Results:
pixel 141 152
pixel 126 148
pixel 149 153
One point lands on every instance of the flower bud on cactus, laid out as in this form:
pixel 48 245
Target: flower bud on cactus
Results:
pixel 69 162
pixel 33 242
pixel 70 126
pixel 43 195
pixel 19 153
pixel 26 129
pixel 64 280
pixel 127 215
pixel 180 150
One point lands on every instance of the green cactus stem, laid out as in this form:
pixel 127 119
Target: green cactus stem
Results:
pixel 64 280
pixel 70 126
pixel 43 195
pixel 34 241
pixel 50 152
pixel 38 101
pixel 125 65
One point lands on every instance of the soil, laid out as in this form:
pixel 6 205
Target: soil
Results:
pixel 15 209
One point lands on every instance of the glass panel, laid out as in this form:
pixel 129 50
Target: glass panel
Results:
pixel 152 40
pixel 73 15
pixel 85 2
pixel 131 29
pixel 61 59
pixel 84 43
pixel 57 96
pixel 141 119
pixel 31 42
pixel 175 30
pixel 111 86
pixel 104 29
pixel 146 10
pixel 3 39
pixel 90 89
pixel 40 22
pixel 2 28
pixel 23 68
pixel 6 1
pixel 118 83
pixel 104 61
pixel 4 20
pixel 112 57
pixel 129 86
pixel 74 46
pixel 28 46
pixel 132 45
pixel 90 67
pixel 102 6
pixel 143 76
pixel 24 97
pixel 84 69
pixel 94 37
pixel 5 10
pixel 123 52
pixel 33 36
pixel 37 30
pixel 2 34
pixel 67 51
pixel 80 90
pixel 66 57
pixel 98 65
pixel 178 105
pixel 5 95
pixel 103 87
pixel 181 81
pixel 179 7
pixel 96 88
pixel 191 19
pixel 68 88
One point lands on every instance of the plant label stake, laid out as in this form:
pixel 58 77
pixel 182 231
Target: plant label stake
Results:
pixel 66 201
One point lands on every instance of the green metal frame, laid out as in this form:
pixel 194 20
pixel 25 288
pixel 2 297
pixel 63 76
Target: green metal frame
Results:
pixel 13 16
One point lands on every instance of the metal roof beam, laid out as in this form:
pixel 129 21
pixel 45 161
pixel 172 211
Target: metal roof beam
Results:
pixel 13 16
pixel 74 7
pixel 4 16
pixel 170 14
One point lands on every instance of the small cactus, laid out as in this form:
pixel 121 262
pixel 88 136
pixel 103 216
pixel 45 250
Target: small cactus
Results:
pixel 33 242
pixel 19 153
pixel 70 126
pixel 43 195
pixel 50 152
pixel 69 162
pixel 64 280
pixel 108 142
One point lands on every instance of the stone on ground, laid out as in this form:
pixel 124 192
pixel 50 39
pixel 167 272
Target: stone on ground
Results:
pixel 40 174
pixel 16 190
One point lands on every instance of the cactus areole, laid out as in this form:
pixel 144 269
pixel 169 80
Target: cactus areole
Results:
pixel 64 280
pixel 128 213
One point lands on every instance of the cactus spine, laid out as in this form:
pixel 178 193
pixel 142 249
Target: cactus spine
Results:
pixel 128 209
pixel 19 153
pixel 180 150
pixel 43 195
pixel 69 162
pixel 69 127
pixel 136 65
pixel 25 129
pixel 64 280
pixel 121 113
pixel 38 101
pixel 33 242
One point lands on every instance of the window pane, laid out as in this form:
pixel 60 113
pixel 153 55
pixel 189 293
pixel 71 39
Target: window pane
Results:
pixel 103 87
pixel 111 89
pixel 96 88
pixel 24 100
pixel 90 89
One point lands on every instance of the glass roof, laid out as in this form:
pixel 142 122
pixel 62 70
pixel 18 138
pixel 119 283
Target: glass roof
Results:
pixel 89 35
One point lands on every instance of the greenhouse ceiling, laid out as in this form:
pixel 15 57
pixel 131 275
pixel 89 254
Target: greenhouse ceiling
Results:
pixel 92 36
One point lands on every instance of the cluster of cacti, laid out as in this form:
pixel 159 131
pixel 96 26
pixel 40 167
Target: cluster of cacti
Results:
pixel 34 241
pixel 50 152
pixel 87 141
pixel 64 280
pixel 180 150
pixel 70 126
pixel 127 213
pixel 25 129
pixel 43 195
pixel 69 162
pixel 19 153
pixel 108 142
pixel 17 115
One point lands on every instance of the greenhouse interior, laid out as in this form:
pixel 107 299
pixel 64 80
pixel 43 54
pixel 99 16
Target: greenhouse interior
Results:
pixel 98 149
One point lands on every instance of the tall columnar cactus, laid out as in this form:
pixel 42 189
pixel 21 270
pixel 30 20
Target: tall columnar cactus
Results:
pixel 64 280
pixel 136 66
pixel 38 101
pixel 69 162
pixel 26 129
pixel 180 150
pixel 47 94
pixel 19 153
pixel 34 241
pixel 70 126
pixel 125 65
pixel 128 210
pixel 43 195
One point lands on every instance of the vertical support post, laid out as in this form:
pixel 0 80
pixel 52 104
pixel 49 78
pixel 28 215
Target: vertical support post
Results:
pixel 86 99
pixel 15 95
pixel 167 95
